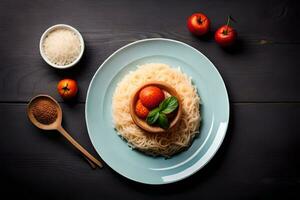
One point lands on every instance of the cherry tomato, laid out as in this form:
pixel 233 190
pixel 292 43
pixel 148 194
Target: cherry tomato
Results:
pixel 151 96
pixel 226 36
pixel 140 110
pixel 67 88
pixel 198 24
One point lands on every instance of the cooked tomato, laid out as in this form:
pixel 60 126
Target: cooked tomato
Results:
pixel 140 110
pixel 151 96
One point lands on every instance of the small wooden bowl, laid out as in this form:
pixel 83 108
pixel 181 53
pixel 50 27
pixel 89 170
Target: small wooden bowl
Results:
pixel 142 123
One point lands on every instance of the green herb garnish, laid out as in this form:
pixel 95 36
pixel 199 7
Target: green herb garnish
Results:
pixel 171 105
pixel 163 121
pixel 152 116
pixel 158 115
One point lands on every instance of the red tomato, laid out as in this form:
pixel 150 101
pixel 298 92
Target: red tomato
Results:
pixel 151 96
pixel 225 36
pixel 67 88
pixel 198 24
pixel 140 110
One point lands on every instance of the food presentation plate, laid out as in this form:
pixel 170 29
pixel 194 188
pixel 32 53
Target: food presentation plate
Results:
pixel 214 111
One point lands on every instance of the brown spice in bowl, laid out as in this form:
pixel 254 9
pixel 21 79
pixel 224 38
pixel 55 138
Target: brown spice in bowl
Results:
pixel 44 111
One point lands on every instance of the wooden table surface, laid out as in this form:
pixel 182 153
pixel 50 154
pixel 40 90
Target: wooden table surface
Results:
pixel 259 158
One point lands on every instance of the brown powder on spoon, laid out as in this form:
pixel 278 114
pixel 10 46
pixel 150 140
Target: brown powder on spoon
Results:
pixel 44 111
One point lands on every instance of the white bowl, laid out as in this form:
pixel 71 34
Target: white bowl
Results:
pixel 58 26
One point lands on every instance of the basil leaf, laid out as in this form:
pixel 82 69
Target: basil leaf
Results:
pixel 163 121
pixel 164 104
pixel 172 104
pixel 152 116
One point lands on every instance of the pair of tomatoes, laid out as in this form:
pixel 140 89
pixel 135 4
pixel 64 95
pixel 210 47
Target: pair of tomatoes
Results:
pixel 149 98
pixel 199 25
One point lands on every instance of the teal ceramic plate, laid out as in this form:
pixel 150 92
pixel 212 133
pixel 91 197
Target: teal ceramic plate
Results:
pixel 214 111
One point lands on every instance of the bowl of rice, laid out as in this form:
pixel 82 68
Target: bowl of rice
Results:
pixel 61 46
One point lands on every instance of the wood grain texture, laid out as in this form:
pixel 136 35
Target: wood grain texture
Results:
pixel 262 67
pixel 258 160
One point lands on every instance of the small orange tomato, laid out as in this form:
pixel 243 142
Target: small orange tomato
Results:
pixel 151 96
pixel 67 88
pixel 140 110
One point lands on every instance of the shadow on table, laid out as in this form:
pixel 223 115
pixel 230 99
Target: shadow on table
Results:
pixel 237 49
pixel 208 37
pixel 191 182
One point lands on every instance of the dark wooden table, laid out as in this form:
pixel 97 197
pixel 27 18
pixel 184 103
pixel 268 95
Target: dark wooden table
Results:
pixel 259 158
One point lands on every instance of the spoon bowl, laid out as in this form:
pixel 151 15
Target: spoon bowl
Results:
pixel 52 126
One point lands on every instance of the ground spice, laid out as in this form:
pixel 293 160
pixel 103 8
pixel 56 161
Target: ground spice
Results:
pixel 44 111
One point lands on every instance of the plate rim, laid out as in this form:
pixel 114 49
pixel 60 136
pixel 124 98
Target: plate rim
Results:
pixel 216 147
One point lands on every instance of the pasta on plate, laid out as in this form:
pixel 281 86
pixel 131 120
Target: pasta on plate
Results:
pixel 157 144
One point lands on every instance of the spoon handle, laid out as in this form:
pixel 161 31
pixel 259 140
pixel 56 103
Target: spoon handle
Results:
pixel 90 162
pixel 78 146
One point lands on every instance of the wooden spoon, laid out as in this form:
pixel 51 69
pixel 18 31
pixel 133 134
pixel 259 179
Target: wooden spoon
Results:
pixel 56 125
